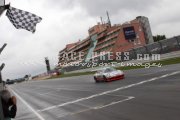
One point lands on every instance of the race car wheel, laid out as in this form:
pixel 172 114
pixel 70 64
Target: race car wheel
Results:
pixel 105 79
pixel 96 80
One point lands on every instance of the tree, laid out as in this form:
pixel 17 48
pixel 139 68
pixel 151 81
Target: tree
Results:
pixel 159 37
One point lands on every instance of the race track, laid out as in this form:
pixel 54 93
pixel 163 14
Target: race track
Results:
pixel 144 94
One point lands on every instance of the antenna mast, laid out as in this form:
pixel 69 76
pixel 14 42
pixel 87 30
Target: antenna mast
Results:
pixel 101 20
pixel 109 21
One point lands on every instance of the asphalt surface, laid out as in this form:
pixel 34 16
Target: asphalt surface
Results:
pixel 144 94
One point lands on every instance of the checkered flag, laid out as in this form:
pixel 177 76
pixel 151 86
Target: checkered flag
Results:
pixel 23 19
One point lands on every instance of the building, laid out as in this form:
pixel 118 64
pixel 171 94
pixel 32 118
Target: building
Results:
pixel 104 38
pixel 146 28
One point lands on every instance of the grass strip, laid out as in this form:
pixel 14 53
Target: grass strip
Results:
pixel 163 62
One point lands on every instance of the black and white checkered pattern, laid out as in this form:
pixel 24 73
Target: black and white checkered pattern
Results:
pixel 23 19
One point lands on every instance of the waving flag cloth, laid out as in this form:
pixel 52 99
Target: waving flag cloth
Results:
pixel 22 19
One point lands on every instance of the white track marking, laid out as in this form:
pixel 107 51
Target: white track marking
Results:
pixel 107 92
pixel 23 101
pixel 114 95
pixel 113 103
pixel 99 107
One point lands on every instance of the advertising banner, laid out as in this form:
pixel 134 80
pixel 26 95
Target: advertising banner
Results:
pixel 129 33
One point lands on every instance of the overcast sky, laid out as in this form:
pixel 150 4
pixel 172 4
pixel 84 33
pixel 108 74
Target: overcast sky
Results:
pixel 66 21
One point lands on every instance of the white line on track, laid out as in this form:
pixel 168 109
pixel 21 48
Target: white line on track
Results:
pixel 97 107
pixel 23 101
pixel 107 92
pixel 113 103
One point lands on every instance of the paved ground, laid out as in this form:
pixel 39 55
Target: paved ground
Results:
pixel 145 94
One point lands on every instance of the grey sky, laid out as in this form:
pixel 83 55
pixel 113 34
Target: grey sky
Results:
pixel 66 21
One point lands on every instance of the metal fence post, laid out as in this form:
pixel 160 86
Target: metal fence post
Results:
pixel 148 52
pixel 161 50
pixel 177 41
pixel 135 53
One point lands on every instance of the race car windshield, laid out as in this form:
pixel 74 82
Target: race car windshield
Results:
pixel 109 70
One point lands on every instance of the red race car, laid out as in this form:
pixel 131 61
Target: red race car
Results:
pixel 108 74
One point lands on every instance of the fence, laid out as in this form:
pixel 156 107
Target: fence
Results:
pixel 161 47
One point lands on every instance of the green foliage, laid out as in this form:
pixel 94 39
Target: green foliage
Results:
pixel 159 37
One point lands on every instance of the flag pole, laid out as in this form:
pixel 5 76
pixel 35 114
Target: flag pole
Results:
pixel 3 8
